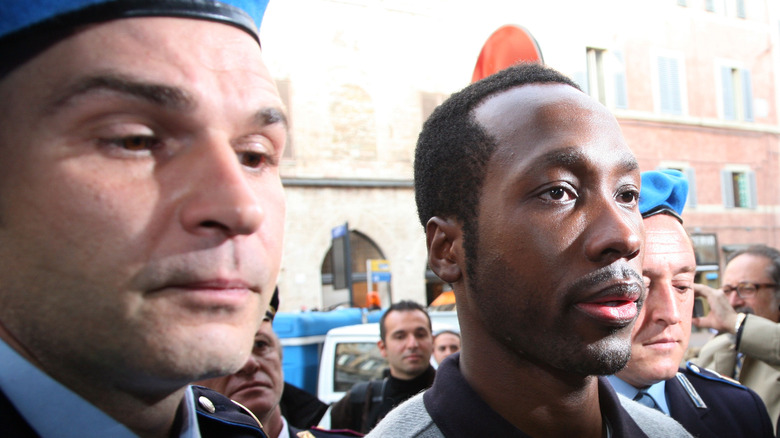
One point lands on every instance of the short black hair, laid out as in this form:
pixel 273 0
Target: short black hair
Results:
pixel 453 150
pixel 401 306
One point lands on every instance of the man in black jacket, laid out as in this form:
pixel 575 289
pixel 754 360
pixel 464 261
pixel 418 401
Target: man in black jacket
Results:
pixel 406 341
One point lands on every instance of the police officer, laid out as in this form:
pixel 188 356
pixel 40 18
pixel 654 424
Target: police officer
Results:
pixel 141 213
pixel 705 403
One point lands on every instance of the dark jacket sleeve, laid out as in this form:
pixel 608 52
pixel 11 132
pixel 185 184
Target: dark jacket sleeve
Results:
pixel 342 415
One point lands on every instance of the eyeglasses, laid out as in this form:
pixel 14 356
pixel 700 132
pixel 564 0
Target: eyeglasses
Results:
pixel 746 289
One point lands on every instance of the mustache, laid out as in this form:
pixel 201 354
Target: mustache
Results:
pixel 605 275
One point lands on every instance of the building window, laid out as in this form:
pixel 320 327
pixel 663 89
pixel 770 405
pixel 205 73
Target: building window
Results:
pixel 683 3
pixel 596 86
pixel 709 5
pixel 737 94
pixel 739 188
pixel 741 9
pixel 604 77
pixel 670 86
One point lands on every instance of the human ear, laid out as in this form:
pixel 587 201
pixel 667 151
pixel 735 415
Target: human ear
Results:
pixel 445 246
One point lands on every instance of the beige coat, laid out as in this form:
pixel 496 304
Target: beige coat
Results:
pixel 760 344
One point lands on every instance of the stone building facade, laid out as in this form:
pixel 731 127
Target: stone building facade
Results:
pixel 693 84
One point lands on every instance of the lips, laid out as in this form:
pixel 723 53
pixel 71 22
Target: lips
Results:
pixel 615 304
pixel 215 293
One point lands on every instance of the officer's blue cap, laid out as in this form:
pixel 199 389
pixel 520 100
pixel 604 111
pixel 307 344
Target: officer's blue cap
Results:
pixel 27 27
pixel 663 191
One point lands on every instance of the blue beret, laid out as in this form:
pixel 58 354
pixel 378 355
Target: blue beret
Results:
pixel 27 27
pixel 663 191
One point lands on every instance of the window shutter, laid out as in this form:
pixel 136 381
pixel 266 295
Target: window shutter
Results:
pixel 669 85
pixel 747 95
pixel 690 173
pixel 729 112
pixel 753 191
pixel 726 189
pixel 621 91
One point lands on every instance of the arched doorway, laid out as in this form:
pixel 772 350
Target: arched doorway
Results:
pixel 362 248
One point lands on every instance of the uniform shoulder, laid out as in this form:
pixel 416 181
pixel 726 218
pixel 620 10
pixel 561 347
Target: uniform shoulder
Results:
pixel 218 414
pixel 696 373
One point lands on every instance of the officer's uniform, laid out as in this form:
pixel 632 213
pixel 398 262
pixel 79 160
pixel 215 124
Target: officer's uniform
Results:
pixel 27 31
pixel 217 416
pixel 709 405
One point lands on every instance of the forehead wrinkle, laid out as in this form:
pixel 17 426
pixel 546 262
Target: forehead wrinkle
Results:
pixel 166 96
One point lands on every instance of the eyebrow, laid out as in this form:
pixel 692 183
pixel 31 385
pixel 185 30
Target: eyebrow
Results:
pixel 571 156
pixel 166 96
pixel 270 116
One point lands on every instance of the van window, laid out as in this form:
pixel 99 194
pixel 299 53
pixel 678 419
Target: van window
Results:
pixel 356 362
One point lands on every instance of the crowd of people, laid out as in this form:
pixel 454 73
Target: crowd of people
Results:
pixel 142 217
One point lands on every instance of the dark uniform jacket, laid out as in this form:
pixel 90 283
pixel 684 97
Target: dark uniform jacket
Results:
pixel 715 406
pixel 300 408
pixel 226 420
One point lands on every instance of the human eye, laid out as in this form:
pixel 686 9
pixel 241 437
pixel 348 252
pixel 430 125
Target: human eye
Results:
pixel 261 345
pixel 135 143
pixel 559 193
pixel 746 288
pixel 628 196
pixel 255 153
pixel 683 288
pixel 128 138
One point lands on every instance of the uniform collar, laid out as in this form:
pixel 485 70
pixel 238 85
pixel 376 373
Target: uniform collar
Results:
pixel 657 391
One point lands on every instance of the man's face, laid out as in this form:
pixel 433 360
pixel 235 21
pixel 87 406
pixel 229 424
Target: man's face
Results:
pixel 408 343
pixel 752 269
pixel 444 345
pixel 141 207
pixel 662 331
pixel 557 276
pixel 259 384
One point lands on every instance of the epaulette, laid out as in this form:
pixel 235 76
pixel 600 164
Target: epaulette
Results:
pixel 714 376
pixel 691 391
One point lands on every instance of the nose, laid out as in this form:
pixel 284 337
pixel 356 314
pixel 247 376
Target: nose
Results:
pixel 412 343
pixel 662 303
pixel 250 366
pixel 220 197
pixel 614 232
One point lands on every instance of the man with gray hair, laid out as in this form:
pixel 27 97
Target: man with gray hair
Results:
pixel 746 313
